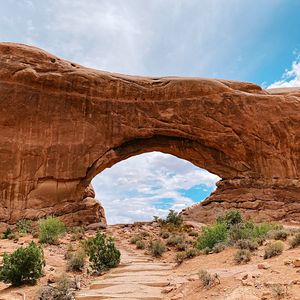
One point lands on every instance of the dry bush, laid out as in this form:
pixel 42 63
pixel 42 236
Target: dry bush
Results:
pixel 273 249
pixel 242 256
pixel 157 248
pixel 295 240
pixel 247 244
pixel 140 244
pixel 76 260
pixel 208 280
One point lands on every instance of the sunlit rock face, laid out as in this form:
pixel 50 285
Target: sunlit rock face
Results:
pixel 61 124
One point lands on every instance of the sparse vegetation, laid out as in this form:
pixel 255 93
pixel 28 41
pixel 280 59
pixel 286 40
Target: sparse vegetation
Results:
pixel 140 244
pixel 191 252
pixel 242 256
pixel 247 244
pixel 135 239
pixel 76 260
pixel 62 291
pixel 207 279
pixel 279 290
pixel 173 218
pixel 165 234
pixel 23 265
pixel 295 240
pixel 181 246
pixel 50 229
pixel 24 226
pixel 8 234
pixel 219 247
pixel 180 257
pixel 280 234
pixel 157 248
pixel 175 240
pixel 273 249
pixel 102 252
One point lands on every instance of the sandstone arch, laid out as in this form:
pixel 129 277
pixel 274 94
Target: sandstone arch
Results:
pixel 61 124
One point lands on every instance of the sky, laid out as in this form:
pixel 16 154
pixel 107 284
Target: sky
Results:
pixel 248 40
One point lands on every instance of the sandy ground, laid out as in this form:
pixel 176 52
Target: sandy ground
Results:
pixel 275 278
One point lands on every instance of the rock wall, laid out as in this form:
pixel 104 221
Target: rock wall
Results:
pixel 61 124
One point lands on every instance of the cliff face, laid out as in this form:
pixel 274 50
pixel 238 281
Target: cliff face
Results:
pixel 61 124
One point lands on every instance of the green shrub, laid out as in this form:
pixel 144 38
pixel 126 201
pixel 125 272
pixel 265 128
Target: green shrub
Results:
pixel 261 230
pixel 212 235
pixel 140 244
pixel 242 256
pixel 76 260
pixel 23 265
pixel 157 248
pixel 273 249
pixel 8 234
pixel 230 218
pixel 247 244
pixel 207 279
pixel 24 226
pixel 102 252
pixel 172 218
pixel 295 240
pixel 249 230
pixel 50 229
pixel 175 240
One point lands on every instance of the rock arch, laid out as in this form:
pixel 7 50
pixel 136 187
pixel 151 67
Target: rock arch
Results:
pixel 62 123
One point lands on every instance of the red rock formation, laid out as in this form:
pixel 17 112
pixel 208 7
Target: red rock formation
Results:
pixel 61 124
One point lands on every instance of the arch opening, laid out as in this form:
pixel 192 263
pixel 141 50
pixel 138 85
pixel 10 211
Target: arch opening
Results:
pixel 149 184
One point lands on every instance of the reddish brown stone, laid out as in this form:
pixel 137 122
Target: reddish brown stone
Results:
pixel 61 124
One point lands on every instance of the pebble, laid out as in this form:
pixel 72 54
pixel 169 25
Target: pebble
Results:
pixel 296 263
pixel 263 266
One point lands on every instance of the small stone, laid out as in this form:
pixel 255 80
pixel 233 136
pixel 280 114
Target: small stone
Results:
pixel 296 263
pixel 247 282
pixel 51 278
pixel 167 289
pixel 266 295
pixel 263 266
pixel 178 296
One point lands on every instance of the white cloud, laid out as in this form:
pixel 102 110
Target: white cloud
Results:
pixel 135 189
pixel 155 37
pixel 290 78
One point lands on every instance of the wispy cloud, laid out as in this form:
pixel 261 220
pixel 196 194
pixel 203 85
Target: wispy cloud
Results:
pixel 136 189
pixel 290 77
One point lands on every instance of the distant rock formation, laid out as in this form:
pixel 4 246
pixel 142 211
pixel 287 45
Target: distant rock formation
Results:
pixel 61 124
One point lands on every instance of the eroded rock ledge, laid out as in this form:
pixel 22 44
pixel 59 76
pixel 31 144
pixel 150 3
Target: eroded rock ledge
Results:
pixel 61 124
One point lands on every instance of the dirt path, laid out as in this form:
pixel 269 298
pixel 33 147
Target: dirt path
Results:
pixel 137 277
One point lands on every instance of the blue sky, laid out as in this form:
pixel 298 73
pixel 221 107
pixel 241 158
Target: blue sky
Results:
pixel 249 40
